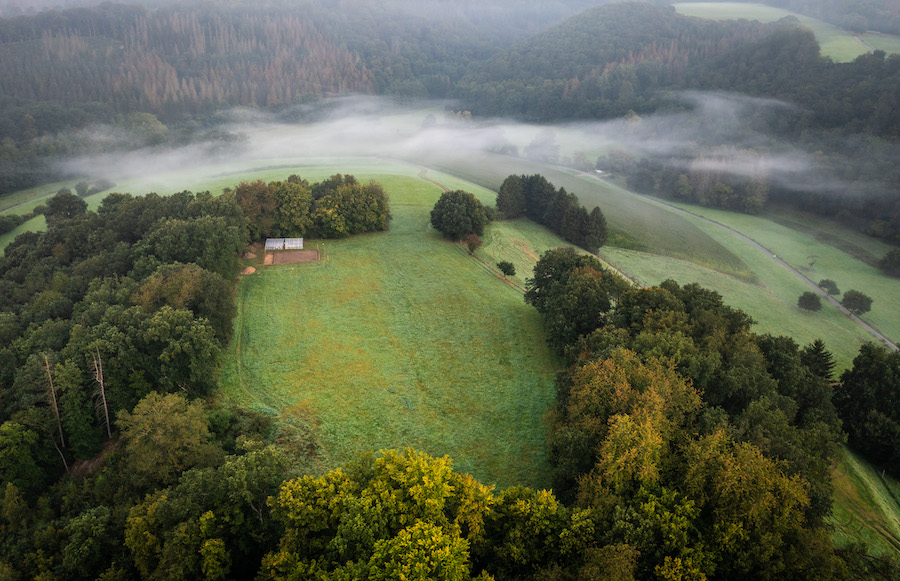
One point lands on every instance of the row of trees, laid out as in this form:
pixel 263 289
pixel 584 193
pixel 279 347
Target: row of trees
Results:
pixel 857 302
pixel 334 208
pixel 867 402
pixel 537 199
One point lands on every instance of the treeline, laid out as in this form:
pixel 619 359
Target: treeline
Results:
pixel 173 62
pixel 867 402
pixel 673 411
pixel 537 199
pixel 334 208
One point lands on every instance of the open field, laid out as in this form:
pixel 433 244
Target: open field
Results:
pixel 866 506
pixel 818 259
pixel 841 46
pixel 648 240
pixel 398 339
pixel 886 42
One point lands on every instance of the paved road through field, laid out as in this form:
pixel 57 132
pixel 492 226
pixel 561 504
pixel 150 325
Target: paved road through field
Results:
pixel 884 340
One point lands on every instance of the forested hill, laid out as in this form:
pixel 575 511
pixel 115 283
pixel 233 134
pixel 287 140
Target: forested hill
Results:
pixel 601 63
pixel 621 57
pixel 174 62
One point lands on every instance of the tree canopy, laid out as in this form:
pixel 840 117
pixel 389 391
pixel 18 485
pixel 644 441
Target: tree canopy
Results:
pixel 458 214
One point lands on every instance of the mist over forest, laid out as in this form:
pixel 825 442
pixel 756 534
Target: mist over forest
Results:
pixel 128 77
pixel 143 436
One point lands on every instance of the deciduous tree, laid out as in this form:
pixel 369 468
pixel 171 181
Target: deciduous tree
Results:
pixel 165 435
pixel 857 302
pixel 810 301
pixel 458 214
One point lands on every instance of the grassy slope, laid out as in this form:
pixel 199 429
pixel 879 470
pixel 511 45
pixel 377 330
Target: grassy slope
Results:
pixel 886 42
pixel 866 506
pixel 399 339
pixel 839 45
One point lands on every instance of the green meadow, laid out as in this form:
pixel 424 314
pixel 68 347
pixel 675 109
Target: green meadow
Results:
pixel 889 43
pixel 399 339
pixel 841 46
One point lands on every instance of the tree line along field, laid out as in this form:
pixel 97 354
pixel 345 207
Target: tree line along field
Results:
pixel 840 45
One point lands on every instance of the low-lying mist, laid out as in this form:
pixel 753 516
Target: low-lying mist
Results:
pixel 722 133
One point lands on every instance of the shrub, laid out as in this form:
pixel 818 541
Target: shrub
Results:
pixel 829 286
pixel 507 268
pixel 809 301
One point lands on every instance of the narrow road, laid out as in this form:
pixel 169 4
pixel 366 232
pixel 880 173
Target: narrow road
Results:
pixel 884 340
pixel 864 43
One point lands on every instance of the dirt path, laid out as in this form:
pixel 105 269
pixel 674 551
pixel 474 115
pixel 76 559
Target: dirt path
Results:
pixel 884 340
pixel 431 181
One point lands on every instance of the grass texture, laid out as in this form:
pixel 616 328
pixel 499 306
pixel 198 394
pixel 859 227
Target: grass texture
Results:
pixel 866 506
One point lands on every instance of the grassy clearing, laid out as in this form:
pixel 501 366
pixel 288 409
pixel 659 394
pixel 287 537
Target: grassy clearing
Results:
pixel 841 46
pixel 866 507
pixel 399 339
pixel 36 224
pixel 24 201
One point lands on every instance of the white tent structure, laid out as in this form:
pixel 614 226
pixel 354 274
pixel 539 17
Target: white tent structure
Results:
pixel 284 244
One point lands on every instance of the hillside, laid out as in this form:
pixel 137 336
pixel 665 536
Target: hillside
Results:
pixel 398 339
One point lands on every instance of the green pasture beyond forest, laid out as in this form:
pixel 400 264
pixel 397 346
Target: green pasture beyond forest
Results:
pixel 838 44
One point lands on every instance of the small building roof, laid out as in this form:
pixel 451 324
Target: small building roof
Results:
pixel 284 244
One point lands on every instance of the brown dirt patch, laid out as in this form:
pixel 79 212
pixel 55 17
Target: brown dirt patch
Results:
pixel 292 256
pixel 248 255
pixel 248 270
pixel 524 247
